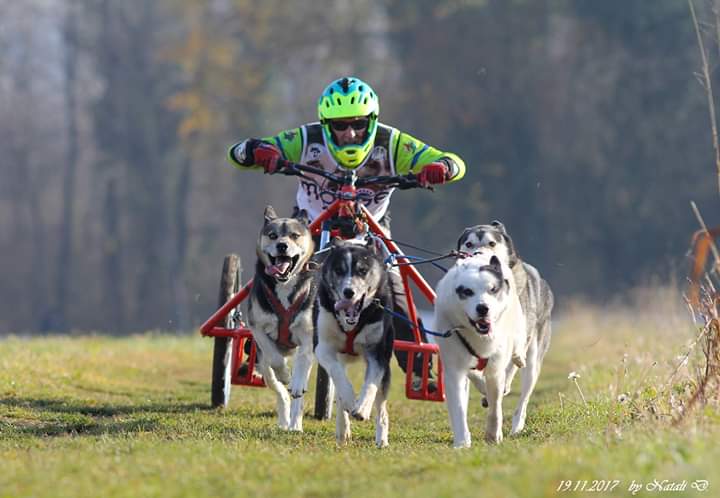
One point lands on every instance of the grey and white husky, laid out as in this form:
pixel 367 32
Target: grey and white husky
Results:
pixel 351 324
pixel 535 295
pixel 281 309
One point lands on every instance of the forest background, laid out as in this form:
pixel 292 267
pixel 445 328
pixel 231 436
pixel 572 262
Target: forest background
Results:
pixel 582 123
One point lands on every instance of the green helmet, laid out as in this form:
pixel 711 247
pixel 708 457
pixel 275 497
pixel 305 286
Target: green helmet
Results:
pixel 349 98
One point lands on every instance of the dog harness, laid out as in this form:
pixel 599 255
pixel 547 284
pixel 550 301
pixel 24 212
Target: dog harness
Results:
pixel 349 338
pixel 482 362
pixel 285 316
pixel 349 341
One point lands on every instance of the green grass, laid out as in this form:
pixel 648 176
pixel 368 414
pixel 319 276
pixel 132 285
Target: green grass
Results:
pixel 96 416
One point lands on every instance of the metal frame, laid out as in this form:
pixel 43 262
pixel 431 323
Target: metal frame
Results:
pixel 343 206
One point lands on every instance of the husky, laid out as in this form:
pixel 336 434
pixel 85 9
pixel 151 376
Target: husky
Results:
pixel 477 303
pixel 535 295
pixel 281 310
pixel 354 288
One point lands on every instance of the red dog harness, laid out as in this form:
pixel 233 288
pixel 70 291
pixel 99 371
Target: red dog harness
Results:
pixel 285 316
pixel 482 362
pixel 349 340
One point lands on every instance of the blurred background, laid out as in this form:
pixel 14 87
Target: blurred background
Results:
pixel 582 123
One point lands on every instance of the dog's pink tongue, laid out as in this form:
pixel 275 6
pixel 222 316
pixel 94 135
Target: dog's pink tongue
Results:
pixel 343 304
pixel 277 269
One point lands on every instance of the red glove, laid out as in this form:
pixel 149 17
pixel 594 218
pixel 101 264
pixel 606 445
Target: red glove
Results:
pixel 267 156
pixel 432 174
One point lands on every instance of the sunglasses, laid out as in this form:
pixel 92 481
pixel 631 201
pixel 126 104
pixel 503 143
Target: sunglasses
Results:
pixel 357 124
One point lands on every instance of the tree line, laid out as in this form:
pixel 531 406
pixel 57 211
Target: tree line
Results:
pixel 582 124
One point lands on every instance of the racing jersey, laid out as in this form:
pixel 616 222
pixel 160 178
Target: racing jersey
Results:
pixel 393 153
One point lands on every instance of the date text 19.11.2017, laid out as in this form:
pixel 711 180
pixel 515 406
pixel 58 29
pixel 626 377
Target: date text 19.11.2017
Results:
pixel 596 485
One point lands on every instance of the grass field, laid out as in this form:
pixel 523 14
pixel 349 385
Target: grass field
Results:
pixel 97 416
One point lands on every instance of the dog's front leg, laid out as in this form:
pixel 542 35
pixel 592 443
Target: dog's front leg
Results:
pixel 520 344
pixel 510 372
pixel 366 398
pixel 457 389
pixel 478 380
pixel 519 356
pixel 298 384
pixel 272 356
pixel 529 378
pixel 495 387
pixel 327 358
pixel 342 423
pixel 382 419
pixel 283 397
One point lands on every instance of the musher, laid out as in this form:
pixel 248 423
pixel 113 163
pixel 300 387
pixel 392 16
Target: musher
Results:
pixel 349 136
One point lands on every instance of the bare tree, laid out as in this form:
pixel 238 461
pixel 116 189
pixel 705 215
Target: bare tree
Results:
pixel 64 266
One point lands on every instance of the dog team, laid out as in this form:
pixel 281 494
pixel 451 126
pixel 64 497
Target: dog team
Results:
pixel 493 308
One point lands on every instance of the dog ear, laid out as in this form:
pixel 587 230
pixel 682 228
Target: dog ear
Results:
pixel 301 215
pixel 269 214
pixel 372 246
pixel 513 257
pixel 497 224
pixel 512 254
pixel 495 263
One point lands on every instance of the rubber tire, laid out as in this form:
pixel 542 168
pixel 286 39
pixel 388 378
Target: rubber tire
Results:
pixel 230 284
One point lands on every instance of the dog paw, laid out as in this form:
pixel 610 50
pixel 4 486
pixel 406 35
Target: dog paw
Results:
pixel 518 423
pixel 461 445
pixel 342 438
pixel 347 405
pixel 382 444
pixel 493 437
pixel 361 411
pixel 518 360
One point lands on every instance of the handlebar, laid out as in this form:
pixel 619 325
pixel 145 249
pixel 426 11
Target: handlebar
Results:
pixel 402 182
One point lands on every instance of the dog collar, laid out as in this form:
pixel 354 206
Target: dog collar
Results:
pixel 482 362
pixel 285 316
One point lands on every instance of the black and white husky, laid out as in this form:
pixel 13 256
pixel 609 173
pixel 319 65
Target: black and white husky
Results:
pixel 535 295
pixel 478 304
pixel 280 311
pixel 351 324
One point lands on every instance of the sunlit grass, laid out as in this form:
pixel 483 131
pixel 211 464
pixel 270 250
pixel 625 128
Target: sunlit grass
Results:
pixel 97 416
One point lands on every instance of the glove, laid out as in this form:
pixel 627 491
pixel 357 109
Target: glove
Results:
pixel 265 155
pixel 432 174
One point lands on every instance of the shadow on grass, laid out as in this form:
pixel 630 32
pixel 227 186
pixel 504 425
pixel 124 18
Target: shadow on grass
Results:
pixel 47 417
pixel 105 410
pixel 55 429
